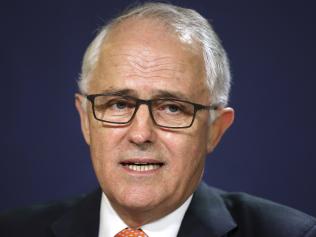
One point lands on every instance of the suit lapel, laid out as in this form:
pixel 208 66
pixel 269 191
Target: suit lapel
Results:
pixel 207 215
pixel 82 220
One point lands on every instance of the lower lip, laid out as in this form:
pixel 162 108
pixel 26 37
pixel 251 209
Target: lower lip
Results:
pixel 143 172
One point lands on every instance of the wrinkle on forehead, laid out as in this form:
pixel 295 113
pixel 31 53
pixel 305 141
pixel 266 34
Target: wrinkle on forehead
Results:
pixel 147 62
pixel 139 68
pixel 146 66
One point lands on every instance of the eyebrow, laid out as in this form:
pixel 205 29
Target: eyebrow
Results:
pixel 155 95
pixel 128 92
pixel 170 94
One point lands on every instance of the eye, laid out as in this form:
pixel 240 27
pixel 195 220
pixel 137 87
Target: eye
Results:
pixel 172 108
pixel 120 104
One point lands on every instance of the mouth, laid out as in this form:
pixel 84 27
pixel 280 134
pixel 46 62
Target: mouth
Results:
pixel 142 166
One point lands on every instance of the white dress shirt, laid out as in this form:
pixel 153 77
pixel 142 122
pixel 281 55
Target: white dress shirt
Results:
pixel 167 226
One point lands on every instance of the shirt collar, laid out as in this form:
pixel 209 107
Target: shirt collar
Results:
pixel 167 226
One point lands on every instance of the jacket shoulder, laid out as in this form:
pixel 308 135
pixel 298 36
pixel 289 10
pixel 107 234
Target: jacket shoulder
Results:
pixel 34 220
pixel 260 217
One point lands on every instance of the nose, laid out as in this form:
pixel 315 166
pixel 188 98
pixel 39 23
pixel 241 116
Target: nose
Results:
pixel 141 130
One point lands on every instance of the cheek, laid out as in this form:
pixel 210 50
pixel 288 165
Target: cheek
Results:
pixel 106 137
pixel 105 153
pixel 104 145
pixel 186 150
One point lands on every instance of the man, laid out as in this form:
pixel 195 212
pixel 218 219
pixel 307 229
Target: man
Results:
pixel 153 94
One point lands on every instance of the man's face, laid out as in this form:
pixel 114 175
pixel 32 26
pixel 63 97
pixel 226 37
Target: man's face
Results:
pixel 145 61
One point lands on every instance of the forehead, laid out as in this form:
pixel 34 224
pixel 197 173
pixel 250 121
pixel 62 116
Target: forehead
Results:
pixel 144 54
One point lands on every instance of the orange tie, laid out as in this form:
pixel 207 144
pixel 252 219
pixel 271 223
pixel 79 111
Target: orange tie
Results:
pixel 129 232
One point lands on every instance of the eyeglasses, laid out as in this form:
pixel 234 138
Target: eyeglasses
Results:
pixel 165 112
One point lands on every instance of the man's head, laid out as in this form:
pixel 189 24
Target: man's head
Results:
pixel 155 51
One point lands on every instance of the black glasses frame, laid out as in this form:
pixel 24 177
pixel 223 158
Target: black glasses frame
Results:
pixel 149 103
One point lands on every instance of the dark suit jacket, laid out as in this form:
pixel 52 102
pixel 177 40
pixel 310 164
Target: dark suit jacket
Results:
pixel 212 213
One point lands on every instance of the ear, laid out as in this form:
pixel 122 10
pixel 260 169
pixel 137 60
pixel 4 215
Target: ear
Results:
pixel 84 118
pixel 217 129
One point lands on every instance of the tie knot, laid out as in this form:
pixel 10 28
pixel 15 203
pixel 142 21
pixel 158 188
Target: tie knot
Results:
pixel 129 232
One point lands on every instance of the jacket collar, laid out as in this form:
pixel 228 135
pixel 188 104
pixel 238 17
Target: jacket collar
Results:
pixel 207 214
pixel 82 220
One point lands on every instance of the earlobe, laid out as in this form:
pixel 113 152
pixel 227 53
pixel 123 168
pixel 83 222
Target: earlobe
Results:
pixel 84 120
pixel 217 129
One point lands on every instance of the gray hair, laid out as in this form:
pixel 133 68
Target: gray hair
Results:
pixel 188 25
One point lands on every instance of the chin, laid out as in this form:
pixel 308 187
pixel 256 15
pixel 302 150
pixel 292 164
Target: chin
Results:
pixel 144 200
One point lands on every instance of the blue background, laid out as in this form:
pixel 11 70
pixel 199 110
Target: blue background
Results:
pixel 269 151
